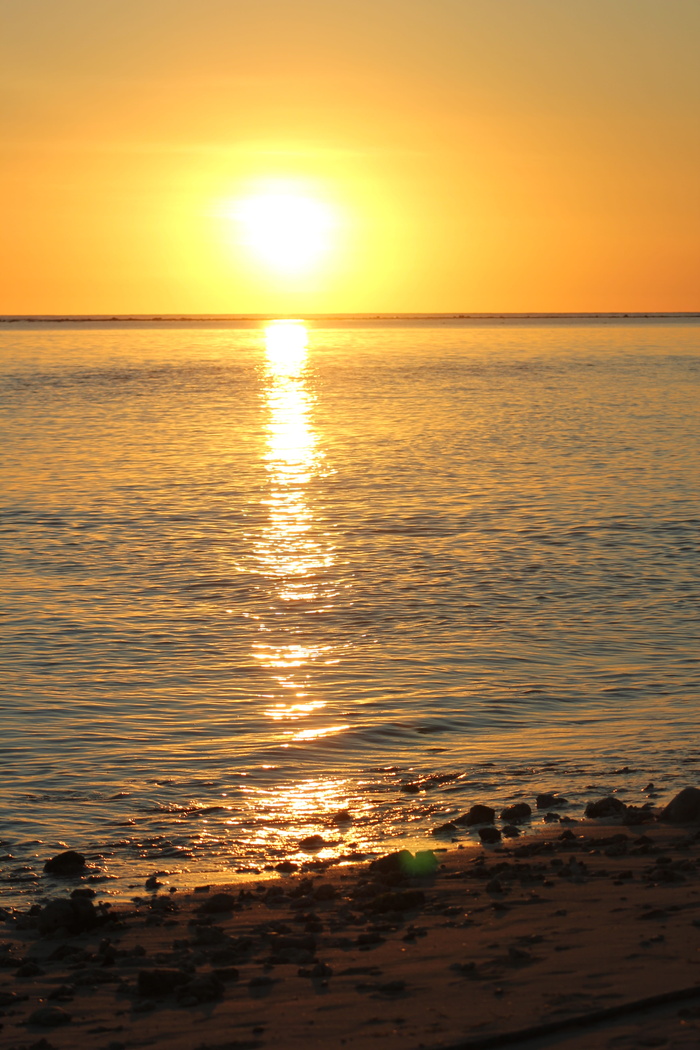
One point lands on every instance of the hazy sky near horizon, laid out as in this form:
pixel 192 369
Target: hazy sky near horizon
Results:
pixel 447 155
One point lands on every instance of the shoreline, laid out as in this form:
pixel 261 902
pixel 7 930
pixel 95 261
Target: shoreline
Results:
pixel 332 842
pixel 586 933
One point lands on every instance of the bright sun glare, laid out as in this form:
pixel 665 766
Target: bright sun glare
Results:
pixel 287 231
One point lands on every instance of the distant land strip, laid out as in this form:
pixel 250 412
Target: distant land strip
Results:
pixel 325 318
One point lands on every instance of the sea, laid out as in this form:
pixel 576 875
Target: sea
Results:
pixel 284 591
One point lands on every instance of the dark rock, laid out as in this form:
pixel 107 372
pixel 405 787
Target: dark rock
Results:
pixel 30 969
pixel 75 916
pixel 49 1017
pixel 391 987
pixel 290 955
pixel 83 891
pixel 157 983
pixel 371 937
pixel 208 935
pixel 8 957
pixel 300 942
pixel 654 913
pixel 684 808
pixel 302 889
pixel 605 807
pixel 477 815
pixel 520 811
pixel 160 905
pixel 63 992
pixel 401 900
pixel 226 973
pixel 405 865
pixel 634 815
pixel 286 867
pixel 90 977
pixel 450 828
pixel 68 863
pixel 325 892
pixel 261 981
pixel 547 800
pixel 219 903
pixel 66 951
pixel 392 863
pixel 510 831
pixel 312 842
pixel 343 816
pixel 489 835
pixel 204 988
pixel 223 957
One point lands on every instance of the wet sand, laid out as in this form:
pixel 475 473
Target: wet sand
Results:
pixel 586 937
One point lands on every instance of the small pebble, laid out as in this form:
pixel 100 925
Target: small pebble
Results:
pixel 49 1017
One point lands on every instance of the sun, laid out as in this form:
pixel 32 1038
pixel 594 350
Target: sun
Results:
pixel 287 230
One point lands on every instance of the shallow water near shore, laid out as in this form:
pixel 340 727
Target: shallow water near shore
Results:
pixel 270 582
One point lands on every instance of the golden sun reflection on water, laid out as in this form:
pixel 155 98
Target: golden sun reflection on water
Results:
pixel 290 813
pixel 290 552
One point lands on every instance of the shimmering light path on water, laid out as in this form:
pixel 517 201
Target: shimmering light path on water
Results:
pixel 267 583
pixel 291 551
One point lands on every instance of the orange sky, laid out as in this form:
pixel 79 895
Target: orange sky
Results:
pixel 474 155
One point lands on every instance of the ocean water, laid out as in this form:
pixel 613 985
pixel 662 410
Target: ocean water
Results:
pixel 273 581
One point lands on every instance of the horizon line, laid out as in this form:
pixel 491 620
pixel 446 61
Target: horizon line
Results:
pixel 349 316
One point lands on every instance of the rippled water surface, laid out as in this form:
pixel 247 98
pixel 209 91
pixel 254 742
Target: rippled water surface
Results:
pixel 272 582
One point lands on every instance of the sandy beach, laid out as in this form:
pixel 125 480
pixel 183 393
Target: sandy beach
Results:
pixel 586 936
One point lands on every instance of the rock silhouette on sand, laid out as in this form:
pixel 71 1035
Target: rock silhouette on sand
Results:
pixel 684 808
pixel 219 903
pixel 477 815
pixel 74 916
pixel 49 1017
pixel 489 835
pixel 312 843
pixel 605 807
pixel 519 811
pixel 550 801
pixel 403 864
